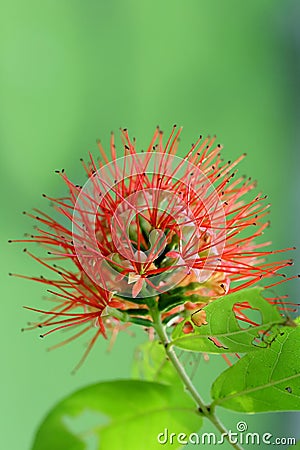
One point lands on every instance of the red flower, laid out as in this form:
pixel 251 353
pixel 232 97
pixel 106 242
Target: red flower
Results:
pixel 144 224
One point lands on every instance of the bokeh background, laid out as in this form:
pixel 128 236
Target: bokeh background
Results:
pixel 72 71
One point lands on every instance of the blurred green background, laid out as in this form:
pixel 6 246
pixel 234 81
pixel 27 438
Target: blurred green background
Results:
pixel 72 71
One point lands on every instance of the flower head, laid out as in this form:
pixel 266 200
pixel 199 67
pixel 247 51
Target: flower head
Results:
pixel 144 224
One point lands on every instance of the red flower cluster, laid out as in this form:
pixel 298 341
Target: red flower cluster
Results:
pixel 144 224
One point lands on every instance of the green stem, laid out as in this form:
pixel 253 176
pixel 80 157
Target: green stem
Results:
pixel 170 352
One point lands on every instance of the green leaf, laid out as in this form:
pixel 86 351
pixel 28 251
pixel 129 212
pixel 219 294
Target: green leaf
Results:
pixel 150 363
pixel 122 415
pixel 266 380
pixel 224 333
